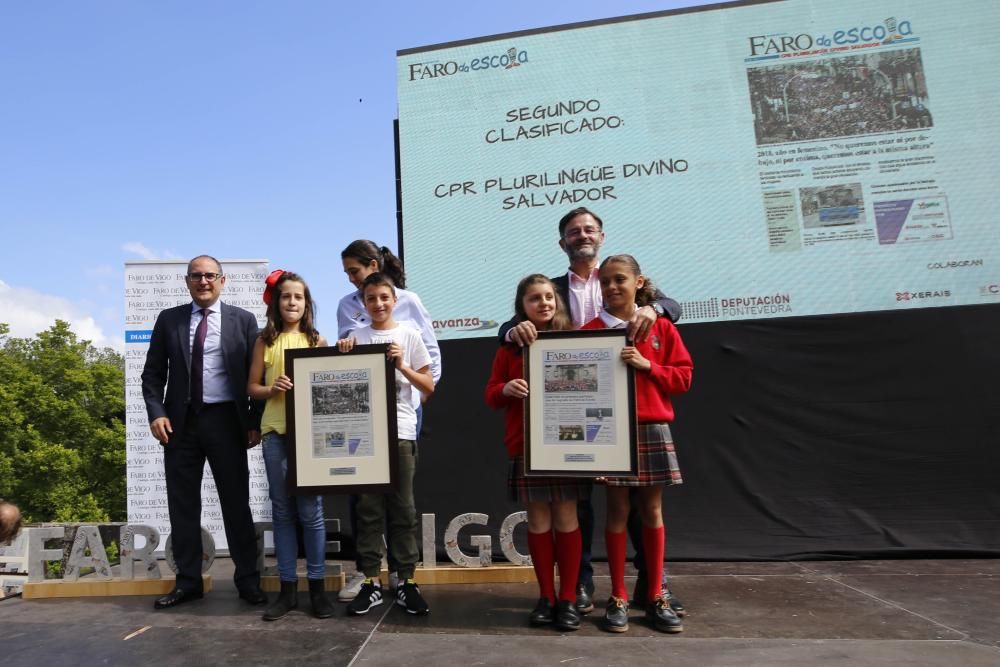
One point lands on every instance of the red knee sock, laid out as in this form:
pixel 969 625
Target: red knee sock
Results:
pixel 616 562
pixel 542 548
pixel 653 546
pixel 568 549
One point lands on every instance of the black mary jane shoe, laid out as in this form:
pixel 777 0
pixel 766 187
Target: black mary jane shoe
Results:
pixel 567 617
pixel 542 613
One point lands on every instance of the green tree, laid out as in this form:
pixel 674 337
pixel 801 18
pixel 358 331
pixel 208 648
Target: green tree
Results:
pixel 62 427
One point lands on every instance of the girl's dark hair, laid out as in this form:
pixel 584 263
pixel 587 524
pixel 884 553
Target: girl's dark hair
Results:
pixel 646 294
pixel 366 252
pixel 560 321
pixel 275 324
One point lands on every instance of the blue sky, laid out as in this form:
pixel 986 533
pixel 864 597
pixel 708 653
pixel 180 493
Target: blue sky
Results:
pixel 147 130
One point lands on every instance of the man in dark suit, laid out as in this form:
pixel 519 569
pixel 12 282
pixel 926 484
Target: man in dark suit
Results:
pixel 581 235
pixel 200 353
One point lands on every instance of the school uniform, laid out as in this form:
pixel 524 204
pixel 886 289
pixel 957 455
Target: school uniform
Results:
pixel 670 374
pixel 508 364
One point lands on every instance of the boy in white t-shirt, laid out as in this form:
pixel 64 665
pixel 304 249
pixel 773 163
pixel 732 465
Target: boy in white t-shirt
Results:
pixel 413 374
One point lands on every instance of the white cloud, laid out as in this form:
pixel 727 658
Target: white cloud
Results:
pixel 101 271
pixel 28 312
pixel 137 248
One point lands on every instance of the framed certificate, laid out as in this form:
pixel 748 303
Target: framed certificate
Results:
pixel 579 417
pixel 341 420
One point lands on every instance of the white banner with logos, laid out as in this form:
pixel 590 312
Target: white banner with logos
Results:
pixel 150 287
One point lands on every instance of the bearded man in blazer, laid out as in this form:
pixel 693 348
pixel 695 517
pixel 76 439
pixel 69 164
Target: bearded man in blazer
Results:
pixel 581 235
pixel 194 385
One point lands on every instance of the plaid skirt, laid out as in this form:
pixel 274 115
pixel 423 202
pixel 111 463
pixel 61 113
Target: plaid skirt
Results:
pixel 533 489
pixel 657 459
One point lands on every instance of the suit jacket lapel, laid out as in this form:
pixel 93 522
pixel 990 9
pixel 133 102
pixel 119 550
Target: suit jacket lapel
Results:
pixel 562 285
pixel 184 335
pixel 227 326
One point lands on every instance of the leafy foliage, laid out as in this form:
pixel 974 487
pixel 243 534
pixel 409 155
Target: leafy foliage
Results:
pixel 62 427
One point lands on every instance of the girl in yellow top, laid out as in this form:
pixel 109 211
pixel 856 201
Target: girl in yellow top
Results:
pixel 290 317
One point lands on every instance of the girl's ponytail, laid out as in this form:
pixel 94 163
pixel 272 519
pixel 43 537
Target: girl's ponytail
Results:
pixel 366 252
pixel 392 266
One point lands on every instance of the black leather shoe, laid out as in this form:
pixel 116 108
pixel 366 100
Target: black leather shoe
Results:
pixel 176 597
pixel 662 617
pixel 675 604
pixel 253 595
pixel 616 615
pixel 639 593
pixel 567 617
pixel 542 613
pixel 584 602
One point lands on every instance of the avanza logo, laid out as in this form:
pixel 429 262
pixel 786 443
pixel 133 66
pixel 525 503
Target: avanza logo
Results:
pixel 464 324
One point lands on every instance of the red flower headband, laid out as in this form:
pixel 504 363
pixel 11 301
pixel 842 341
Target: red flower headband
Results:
pixel 270 282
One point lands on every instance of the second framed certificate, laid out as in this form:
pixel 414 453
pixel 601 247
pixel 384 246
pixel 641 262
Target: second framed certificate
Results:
pixel 341 420
pixel 579 417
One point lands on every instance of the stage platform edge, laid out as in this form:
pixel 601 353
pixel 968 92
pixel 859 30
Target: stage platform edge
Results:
pixel 493 574
pixel 91 587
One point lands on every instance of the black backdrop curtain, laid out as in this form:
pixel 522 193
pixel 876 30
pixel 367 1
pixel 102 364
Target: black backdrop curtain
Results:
pixel 868 435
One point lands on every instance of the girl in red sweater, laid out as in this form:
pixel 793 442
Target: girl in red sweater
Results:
pixel 550 501
pixel 663 367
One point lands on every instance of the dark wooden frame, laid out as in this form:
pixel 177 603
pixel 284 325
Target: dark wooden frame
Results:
pixel 627 428
pixel 341 361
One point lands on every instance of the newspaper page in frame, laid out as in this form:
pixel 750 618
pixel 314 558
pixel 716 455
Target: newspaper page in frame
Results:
pixel 579 396
pixel 341 415
pixel 341 420
pixel 580 411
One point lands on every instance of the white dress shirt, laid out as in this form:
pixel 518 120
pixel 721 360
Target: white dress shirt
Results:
pixel 585 297
pixel 215 381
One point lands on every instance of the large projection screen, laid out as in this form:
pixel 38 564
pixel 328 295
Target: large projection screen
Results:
pixel 813 181
pixel 760 160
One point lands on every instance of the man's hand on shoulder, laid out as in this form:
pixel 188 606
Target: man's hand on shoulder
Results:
pixel 523 333
pixel 642 321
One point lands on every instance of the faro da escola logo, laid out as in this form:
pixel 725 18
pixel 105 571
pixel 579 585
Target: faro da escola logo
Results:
pixel 890 30
pixel 507 60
